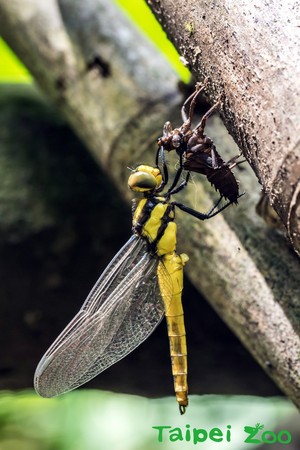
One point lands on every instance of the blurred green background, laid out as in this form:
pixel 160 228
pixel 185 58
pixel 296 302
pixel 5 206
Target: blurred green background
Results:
pixel 90 419
pixel 11 69
pixel 93 420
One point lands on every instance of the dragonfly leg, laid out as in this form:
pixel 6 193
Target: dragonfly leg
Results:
pixel 181 186
pixel 165 173
pixel 233 161
pixel 203 216
pixel 199 129
pixel 187 117
pixel 172 189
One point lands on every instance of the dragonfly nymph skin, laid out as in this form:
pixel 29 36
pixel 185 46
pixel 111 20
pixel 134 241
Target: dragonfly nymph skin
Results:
pixel 197 152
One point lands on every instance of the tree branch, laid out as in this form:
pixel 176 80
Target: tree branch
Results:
pixel 89 68
pixel 252 59
pixel 116 91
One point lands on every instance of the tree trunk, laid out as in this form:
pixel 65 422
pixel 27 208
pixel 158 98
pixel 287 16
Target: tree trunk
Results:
pixel 251 52
pixel 117 91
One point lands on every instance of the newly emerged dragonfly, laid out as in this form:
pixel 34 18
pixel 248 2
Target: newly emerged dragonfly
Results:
pixel 197 151
pixel 142 283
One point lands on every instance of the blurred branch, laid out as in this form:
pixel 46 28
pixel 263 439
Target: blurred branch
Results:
pixel 86 59
pixel 117 91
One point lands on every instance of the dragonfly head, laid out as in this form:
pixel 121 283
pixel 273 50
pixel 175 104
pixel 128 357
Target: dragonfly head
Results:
pixel 145 179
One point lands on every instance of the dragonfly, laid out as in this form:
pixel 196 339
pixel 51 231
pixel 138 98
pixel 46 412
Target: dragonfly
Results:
pixel 142 284
pixel 197 152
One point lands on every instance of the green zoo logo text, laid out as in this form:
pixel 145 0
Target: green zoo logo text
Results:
pixel 253 435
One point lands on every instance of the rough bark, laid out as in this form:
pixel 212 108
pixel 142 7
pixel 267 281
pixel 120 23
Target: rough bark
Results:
pixel 116 92
pixel 250 51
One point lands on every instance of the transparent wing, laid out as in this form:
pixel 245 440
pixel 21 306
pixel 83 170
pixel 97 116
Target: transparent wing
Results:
pixel 120 312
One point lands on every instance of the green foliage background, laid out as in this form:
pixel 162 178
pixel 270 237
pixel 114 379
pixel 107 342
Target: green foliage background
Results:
pixel 93 420
pixel 13 71
pixel 11 68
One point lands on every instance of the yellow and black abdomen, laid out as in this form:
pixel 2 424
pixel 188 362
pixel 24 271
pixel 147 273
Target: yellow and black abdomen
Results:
pixel 174 263
pixel 153 220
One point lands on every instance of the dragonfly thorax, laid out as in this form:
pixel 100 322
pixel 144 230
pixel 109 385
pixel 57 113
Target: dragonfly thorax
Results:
pixel 153 219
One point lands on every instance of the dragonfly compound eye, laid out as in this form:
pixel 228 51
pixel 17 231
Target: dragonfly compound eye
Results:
pixel 144 178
